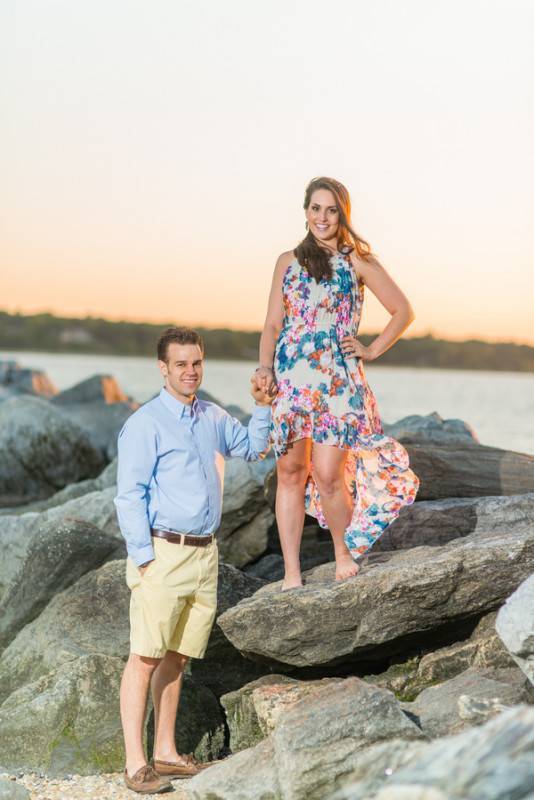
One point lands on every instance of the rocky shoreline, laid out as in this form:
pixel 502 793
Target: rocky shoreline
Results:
pixel 412 680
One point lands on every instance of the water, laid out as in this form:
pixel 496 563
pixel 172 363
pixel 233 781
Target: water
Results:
pixel 499 406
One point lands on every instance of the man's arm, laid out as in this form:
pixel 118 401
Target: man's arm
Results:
pixel 137 461
pixel 252 442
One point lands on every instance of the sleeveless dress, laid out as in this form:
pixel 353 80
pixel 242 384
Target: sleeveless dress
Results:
pixel 323 395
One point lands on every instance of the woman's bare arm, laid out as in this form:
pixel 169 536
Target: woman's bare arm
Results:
pixel 273 320
pixel 394 301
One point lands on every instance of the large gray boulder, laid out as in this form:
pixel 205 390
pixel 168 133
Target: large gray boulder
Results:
pixel 482 649
pixel 16 380
pixel 100 407
pixel 316 744
pixel 96 389
pixel 469 470
pixel 249 542
pixel 437 709
pixel 431 428
pixel 41 450
pixel 492 762
pixel 18 531
pixel 66 721
pixel 515 626
pixel 436 522
pixel 57 556
pixel 395 595
pixel 253 711
pixel 243 500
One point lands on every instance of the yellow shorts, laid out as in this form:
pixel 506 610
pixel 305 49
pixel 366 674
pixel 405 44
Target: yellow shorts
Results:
pixel 173 604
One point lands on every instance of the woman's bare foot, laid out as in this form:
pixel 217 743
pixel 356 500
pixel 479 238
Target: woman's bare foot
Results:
pixel 346 567
pixel 291 581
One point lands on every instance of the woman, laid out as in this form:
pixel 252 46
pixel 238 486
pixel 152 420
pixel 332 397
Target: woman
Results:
pixel 333 460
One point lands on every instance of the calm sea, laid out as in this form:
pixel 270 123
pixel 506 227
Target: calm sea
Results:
pixel 499 406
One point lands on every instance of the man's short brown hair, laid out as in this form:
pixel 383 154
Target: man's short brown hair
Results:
pixel 180 335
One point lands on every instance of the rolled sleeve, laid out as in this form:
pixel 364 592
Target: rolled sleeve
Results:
pixel 251 442
pixel 137 458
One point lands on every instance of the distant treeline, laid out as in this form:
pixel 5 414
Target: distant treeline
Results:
pixel 45 332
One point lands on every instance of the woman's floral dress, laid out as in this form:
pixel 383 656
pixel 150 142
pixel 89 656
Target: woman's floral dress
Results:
pixel 323 395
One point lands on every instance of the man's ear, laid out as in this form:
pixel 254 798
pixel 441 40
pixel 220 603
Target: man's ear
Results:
pixel 163 368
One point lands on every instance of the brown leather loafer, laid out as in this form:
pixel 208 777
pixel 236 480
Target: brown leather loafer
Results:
pixel 147 781
pixel 187 767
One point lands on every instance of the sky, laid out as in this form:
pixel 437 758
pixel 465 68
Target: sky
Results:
pixel 154 155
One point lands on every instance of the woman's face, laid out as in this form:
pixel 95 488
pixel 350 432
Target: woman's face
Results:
pixel 322 215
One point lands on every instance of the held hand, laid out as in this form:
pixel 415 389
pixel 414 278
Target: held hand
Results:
pixel 260 395
pixel 264 378
pixel 351 347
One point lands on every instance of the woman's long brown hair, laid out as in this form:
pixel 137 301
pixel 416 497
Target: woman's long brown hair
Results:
pixel 309 253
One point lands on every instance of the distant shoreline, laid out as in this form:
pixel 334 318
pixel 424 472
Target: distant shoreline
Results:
pixel 91 336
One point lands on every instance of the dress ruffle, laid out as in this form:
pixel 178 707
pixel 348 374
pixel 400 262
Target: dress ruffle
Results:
pixel 377 471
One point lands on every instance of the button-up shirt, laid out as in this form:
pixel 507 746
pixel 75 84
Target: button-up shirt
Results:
pixel 171 467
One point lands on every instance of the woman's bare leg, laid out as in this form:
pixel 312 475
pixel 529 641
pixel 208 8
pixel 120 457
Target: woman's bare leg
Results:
pixel 292 472
pixel 329 475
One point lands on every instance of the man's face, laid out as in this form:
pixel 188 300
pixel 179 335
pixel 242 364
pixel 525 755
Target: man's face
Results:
pixel 183 370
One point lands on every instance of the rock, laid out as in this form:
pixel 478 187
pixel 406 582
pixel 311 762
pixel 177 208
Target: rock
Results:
pixel 56 557
pixel 482 649
pixel 247 543
pixel 494 761
pixel 200 725
pixel 102 423
pixel 100 407
pixel 42 451
pixel 15 380
pixel 436 708
pixel 268 568
pixel 475 712
pixel 223 669
pixel 436 522
pixel 515 626
pixel 9 790
pixel 248 775
pixel 18 531
pixel 106 480
pixel 243 496
pixel 96 389
pixel 253 711
pixel 469 471
pixel 88 618
pixel 431 428
pixel 317 741
pixel 394 596
pixel 67 720
pixel 410 792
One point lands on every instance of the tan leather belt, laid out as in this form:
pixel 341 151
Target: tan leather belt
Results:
pixel 183 538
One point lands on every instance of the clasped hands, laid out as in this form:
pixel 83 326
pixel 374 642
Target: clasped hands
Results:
pixel 263 386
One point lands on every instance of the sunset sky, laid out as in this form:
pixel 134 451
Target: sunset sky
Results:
pixel 154 154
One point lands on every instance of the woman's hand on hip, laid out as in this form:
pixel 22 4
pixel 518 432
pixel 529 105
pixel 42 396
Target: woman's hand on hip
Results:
pixel 351 347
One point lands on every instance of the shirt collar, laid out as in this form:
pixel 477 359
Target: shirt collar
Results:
pixel 177 407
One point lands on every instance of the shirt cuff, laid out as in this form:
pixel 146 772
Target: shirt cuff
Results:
pixel 140 555
pixel 262 412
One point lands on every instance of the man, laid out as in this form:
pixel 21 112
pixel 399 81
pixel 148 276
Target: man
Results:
pixel 170 484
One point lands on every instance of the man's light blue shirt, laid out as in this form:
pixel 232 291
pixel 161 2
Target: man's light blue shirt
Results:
pixel 171 467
